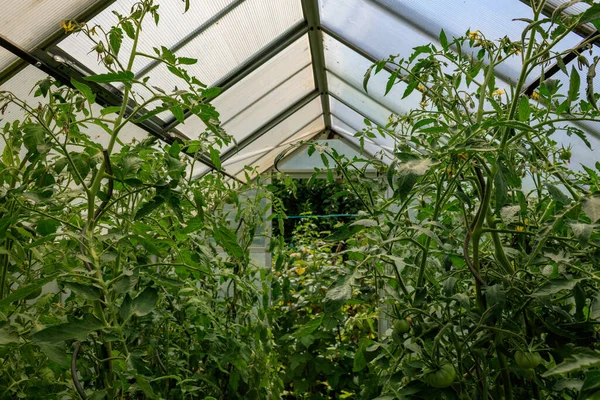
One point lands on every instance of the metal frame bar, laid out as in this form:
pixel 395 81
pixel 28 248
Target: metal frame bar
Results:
pixel 105 96
pixel 310 8
pixel 253 63
pixel 54 38
pixel 269 125
pixel 194 34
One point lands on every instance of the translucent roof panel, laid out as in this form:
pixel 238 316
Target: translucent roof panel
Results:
pixel 356 122
pixel 220 48
pixel 347 132
pixel 350 67
pixel 358 99
pixel 264 155
pixel 27 23
pixel 286 90
pixel 174 26
pixel 278 134
pixel 376 25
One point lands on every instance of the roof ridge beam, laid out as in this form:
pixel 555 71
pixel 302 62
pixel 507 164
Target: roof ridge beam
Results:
pixel 310 8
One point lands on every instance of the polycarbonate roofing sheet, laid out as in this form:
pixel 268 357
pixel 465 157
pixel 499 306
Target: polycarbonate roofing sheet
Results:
pixel 219 49
pixel 358 99
pixel 27 23
pixel 174 25
pixel 283 95
pixel 303 117
pixel 264 154
pixel 348 133
pixel 350 67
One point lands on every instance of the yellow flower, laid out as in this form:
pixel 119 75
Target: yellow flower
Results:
pixel 300 270
pixel 424 103
pixel 526 221
pixel 68 26
pixel 463 156
pixel 520 228
pixel 535 96
pixel 498 92
pixel 420 87
pixel 474 35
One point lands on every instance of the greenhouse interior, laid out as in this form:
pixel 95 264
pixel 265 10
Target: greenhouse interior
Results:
pixel 299 199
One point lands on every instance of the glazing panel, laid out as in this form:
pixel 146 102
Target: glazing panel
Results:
pixel 27 23
pixel 351 67
pixel 348 133
pixel 358 100
pixel 174 25
pixel 262 152
pixel 262 110
pixel 384 27
pixel 282 131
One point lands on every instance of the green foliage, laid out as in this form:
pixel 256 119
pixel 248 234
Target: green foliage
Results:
pixel 120 275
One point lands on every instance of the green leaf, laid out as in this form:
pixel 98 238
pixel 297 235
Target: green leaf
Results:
pixel 341 291
pixel 187 61
pixel 141 305
pixel 47 227
pixel 590 15
pixel 80 168
pixel 227 239
pixel 115 38
pixel 576 362
pixel 501 190
pixel 215 157
pixel 344 232
pixel 142 384
pixel 591 208
pixel 25 291
pixel 74 329
pixel 178 113
pixel 444 40
pixel 34 136
pixel 7 337
pixel 574 84
pixel 86 291
pixel 408 175
pixel 148 207
pixel 553 287
pixel 110 110
pixel 595 307
pixel 591 385
pixel 524 109
pixel 123 76
pixel 557 194
pixel 582 232
pixel 85 90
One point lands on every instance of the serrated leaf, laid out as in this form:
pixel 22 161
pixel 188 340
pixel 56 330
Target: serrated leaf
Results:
pixel 576 362
pixel 524 109
pixel 554 287
pixel 227 239
pixel 574 84
pixel 408 174
pixel 123 76
pixel 7 337
pixel 365 222
pixel 74 329
pixel 86 291
pixel 557 194
pixel 444 40
pixel 25 291
pixel 591 208
pixel 148 207
pixel 582 232
pixel 85 90
pixel 47 227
